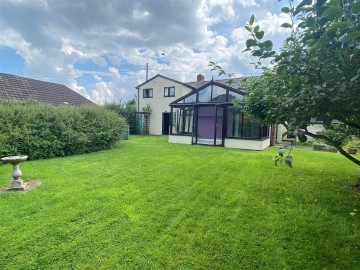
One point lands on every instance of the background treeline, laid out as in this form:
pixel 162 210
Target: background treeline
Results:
pixel 44 131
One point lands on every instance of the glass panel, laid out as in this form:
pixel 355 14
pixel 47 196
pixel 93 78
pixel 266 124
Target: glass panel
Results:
pixel 251 129
pixel 182 120
pixel 233 95
pixel 206 125
pixel 219 125
pixel 234 123
pixel 175 121
pixel 188 120
pixel 218 94
pixel 172 92
pixel 205 94
pixel 169 91
pixel 265 131
pixel 194 133
pixel 148 93
pixel 191 99
pixel 180 101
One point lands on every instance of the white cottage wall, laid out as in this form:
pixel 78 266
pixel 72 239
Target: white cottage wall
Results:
pixel 159 103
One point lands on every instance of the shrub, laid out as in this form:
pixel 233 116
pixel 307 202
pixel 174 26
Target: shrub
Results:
pixel 126 110
pixel 44 131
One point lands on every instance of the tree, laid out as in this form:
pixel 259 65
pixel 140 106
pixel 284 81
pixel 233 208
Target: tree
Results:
pixel 316 73
pixel 126 110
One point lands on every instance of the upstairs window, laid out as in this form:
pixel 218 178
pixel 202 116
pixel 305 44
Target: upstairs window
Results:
pixel 169 91
pixel 148 93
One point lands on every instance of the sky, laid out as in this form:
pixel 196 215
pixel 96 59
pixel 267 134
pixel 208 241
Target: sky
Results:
pixel 100 48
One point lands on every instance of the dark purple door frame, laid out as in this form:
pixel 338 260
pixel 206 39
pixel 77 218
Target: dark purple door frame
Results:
pixel 214 125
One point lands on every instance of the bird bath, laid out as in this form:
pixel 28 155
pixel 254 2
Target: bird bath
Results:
pixel 17 183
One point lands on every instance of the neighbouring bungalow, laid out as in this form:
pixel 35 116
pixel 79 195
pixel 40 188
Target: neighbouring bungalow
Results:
pixel 20 88
pixel 200 112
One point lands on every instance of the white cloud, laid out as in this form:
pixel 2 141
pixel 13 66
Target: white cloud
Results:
pixel 78 89
pixel 248 3
pixel 271 23
pixel 102 93
pixel 120 37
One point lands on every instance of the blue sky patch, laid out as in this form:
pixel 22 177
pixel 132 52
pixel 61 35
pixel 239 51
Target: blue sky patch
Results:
pixel 11 62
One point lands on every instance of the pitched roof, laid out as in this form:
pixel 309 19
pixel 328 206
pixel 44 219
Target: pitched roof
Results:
pixel 14 87
pixel 167 78
pixel 236 83
pixel 221 83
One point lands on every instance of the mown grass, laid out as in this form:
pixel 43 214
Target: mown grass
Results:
pixel 147 204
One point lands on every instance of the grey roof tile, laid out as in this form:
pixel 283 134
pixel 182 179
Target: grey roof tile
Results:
pixel 14 87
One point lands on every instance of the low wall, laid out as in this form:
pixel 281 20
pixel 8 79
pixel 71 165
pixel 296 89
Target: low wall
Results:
pixel 230 143
pixel 247 144
pixel 179 139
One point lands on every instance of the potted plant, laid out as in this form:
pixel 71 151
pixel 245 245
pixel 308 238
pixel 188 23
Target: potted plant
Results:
pixel 353 149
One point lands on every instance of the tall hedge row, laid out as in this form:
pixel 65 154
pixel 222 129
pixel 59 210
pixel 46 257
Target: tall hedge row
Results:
pixel 44 131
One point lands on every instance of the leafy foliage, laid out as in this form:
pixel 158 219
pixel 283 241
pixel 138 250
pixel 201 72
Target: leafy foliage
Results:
pixel 315 74
pixel 126 110
pixel 288 160
pixel 45 131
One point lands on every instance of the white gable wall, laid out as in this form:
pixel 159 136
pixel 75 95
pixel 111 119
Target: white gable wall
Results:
pixel 158 102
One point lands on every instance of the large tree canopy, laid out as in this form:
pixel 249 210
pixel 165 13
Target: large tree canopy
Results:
pixel 315 74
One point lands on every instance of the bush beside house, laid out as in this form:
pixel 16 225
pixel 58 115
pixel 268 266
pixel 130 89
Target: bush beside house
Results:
pixel 127 110
pixel 44 131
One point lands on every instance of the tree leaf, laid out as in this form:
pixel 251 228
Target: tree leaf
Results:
pixel 310 21
pixel 285 9
pixel 332 12
pixel 333 3
pixel 252 19
pixel 257 53
pixel 281 152
pixel 356 8
pixel 301 25
pixel 250 43
pixel 302 138
pixel 289 161
pixel 352 35
pixel 259 34
pixel 338 25
pixel 355 77
pixel 286 25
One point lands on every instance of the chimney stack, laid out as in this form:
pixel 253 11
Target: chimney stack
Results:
pixel 200 78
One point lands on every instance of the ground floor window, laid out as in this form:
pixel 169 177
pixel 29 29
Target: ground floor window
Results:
pixel 219 121
pixel 182 120
pixel 239 126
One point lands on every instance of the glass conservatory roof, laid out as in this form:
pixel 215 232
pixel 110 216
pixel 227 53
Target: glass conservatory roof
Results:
pixel 212 92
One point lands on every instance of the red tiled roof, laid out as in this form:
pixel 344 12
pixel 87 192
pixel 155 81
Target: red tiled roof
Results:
pixel 14 87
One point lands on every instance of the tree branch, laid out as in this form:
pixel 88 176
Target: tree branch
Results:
pixel 339 148
pixel 353 125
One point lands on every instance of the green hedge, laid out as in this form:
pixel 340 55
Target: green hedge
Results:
pixel 44 131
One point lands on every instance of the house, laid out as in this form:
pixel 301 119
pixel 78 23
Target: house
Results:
pixel 158 92
pixel 20 88
pixel 200 112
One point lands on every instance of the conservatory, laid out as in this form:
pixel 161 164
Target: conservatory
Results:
pixel 208 116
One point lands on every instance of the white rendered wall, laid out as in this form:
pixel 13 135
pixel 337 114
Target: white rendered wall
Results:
pixel 313 128
pixel 230 143
pixel 158 102
pixel 247 144
pixel 180 139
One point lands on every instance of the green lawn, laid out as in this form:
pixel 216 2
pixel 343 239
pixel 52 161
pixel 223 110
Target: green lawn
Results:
pixel 147 204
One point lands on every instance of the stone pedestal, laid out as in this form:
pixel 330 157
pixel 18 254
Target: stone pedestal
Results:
pixel 17 184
